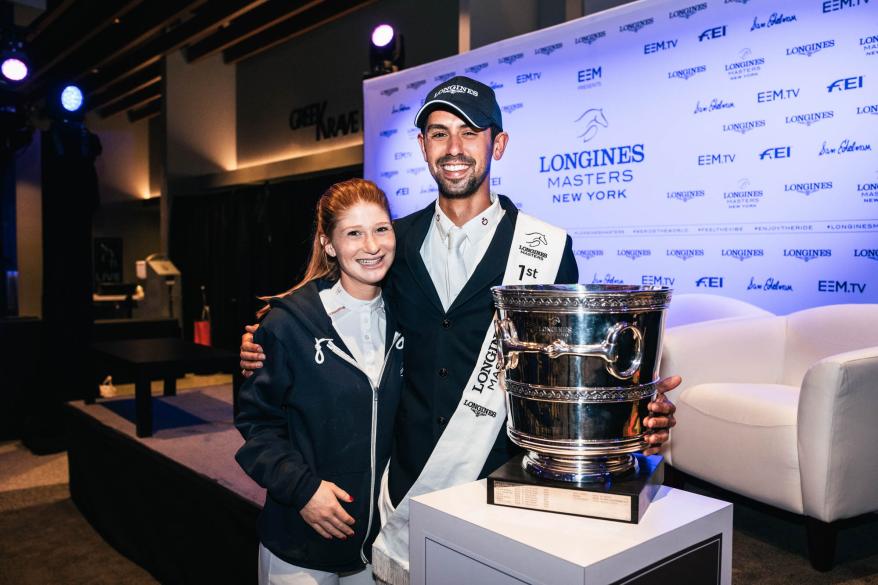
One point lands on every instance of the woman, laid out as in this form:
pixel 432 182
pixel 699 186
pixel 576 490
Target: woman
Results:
pixel 317 419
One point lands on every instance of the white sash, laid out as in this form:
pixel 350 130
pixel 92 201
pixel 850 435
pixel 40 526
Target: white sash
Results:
pixel 460 454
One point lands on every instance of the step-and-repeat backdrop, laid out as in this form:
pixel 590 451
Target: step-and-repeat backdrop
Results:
pixel 727 146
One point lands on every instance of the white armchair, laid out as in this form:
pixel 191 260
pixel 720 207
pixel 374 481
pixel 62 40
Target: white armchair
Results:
pixel 694 307
pixel 782 410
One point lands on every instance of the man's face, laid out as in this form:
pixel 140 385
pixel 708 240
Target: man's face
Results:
pixel 458 156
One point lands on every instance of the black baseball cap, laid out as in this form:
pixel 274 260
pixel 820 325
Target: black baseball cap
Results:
pixel 472 100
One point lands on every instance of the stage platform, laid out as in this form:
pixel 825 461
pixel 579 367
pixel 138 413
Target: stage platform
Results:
pixel 176 503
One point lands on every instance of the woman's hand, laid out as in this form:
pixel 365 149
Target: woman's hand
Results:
pixel 661 415
pixel 251 353
pixel 324 514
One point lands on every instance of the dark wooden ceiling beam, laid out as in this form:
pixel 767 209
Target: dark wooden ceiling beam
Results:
pixel 148 110
pixel 127 85
pixel 46 18
pixel 269 14
pixel 132 100
pixel 143 21
pixel 116 67
pixel 79 24
pixel 301 23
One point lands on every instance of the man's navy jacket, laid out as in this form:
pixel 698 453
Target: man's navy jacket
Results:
pixel 441 347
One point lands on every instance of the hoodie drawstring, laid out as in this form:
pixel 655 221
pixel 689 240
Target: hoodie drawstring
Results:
pixel 318 355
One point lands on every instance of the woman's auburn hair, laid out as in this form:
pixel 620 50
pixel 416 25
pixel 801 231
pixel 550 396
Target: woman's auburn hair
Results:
pixel 334 203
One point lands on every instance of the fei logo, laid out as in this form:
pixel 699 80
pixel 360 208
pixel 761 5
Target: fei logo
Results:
pixel 845 84
pixel 710 282
pixel 415 85
pixel 389 91
pixel 402 191
pixel 710 34
pixel 388 133
pixel 776 153
pixel 591 120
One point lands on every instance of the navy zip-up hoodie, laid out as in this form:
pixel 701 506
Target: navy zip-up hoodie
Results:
pixel 306 416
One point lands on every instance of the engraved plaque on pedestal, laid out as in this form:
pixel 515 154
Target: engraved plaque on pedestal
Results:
pixel 622 499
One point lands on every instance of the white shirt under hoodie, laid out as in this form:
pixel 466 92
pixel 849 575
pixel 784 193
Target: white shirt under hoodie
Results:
pixel 361 325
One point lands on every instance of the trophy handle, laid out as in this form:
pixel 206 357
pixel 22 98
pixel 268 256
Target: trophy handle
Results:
pixel 511 346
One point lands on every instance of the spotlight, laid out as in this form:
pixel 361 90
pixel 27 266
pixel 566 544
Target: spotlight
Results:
pixel 14 69
pixel 14 64
pixel 66 103
pixel 71 98
pixel 382 35
pixel 386 52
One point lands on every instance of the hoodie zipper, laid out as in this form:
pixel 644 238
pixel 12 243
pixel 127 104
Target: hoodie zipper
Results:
pixel 374 438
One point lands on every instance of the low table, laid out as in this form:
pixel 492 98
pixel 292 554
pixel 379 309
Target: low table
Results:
pixel 167 359
pixel 456 537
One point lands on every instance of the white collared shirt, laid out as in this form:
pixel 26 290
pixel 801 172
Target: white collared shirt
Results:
pixel 361 325
pixel 435 249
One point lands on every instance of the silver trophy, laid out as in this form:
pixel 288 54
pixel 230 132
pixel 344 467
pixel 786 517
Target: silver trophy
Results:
pixel 581 365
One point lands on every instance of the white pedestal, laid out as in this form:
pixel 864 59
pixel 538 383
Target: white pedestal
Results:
pixel 456 538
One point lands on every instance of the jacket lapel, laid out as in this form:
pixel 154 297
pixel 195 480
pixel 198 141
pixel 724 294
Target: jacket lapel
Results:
pixel 414 261
pixel 493 264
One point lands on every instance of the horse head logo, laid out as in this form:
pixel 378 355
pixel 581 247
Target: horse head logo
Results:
pixel 593 119
pixel 536 239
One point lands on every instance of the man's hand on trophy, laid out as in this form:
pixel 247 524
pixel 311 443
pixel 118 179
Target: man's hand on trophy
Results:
pixel 661 415
pixel 251 353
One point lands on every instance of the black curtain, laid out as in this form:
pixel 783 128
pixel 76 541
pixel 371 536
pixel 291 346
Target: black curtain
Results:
pixel 243 243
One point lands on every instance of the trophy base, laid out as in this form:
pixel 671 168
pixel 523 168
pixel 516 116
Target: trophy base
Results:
pixel 620 498
pixel 579 469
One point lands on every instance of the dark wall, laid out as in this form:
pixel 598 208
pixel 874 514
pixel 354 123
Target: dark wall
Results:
pixel 243 243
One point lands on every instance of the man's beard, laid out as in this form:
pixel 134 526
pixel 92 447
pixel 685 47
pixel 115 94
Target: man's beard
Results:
pixel 459 190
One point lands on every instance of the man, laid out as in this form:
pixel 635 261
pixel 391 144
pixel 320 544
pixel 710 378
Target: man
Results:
pixel 449 255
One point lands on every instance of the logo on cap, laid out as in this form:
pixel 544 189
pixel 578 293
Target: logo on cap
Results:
pixel 453 89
